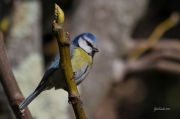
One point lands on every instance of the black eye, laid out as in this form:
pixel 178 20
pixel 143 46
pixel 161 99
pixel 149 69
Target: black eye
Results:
pixel 88 43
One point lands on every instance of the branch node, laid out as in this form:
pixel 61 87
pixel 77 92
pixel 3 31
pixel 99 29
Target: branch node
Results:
pixel 68 37
pixel 74 99
pixel 60 34
pixel 56 27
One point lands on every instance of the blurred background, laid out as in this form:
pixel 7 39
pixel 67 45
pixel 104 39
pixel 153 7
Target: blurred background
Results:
pixel 118 87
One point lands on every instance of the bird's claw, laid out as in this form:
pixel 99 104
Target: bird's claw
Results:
pixel 22 112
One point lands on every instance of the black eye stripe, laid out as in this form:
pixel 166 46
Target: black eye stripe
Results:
pixel 88 43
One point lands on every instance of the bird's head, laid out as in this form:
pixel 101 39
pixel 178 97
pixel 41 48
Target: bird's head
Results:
pixel 87 42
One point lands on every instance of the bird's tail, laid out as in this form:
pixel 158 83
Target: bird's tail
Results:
pixel 31 97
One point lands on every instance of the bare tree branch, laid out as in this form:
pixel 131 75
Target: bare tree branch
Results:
pixel 9 84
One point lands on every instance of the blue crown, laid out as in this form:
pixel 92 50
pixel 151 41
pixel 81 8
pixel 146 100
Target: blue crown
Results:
pixel 89 35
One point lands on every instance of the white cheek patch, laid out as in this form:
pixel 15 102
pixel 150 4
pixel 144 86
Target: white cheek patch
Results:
pixel 83 45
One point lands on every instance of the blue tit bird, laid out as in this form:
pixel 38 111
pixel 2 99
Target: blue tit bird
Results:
pixel 82 51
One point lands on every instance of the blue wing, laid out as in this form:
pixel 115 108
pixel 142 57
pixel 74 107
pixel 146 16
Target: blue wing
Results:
pixel 55 65
pixel 43 85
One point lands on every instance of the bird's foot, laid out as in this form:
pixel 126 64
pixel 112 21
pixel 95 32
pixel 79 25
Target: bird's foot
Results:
pixel 22 112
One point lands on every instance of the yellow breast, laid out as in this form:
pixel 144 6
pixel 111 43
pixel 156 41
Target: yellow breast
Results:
pixel 80 59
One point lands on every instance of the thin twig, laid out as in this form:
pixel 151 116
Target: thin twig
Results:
pixel 63 40
pixel 156 35
pixel 65 64
pixel 9 84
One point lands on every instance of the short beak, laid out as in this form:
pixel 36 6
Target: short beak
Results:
pixel 95 50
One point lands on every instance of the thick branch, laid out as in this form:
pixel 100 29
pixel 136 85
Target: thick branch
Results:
pixel 9 84
pixel 65 64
